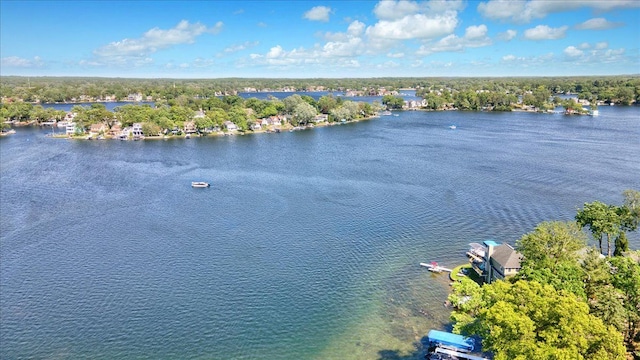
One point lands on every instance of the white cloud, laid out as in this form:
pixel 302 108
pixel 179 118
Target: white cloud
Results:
pixel 18 62
pixel 523 11
pixel 544 32
pixel 318 13
pixel 395 10
pixel 584 45
pixel 239 47
pixel 262 24
pixel 598 24
pixel 475 32
pixel 614 53
pixel 156 39
pixel 573 51
pixel 356 28
pixel 395 55
pixel 602 45
pixel 475 36
pixel 416 26
pixel 509 57
pixel 507 35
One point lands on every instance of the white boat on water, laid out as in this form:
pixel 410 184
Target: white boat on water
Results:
pixel 452 127
pixel 386 113
pixel 199 184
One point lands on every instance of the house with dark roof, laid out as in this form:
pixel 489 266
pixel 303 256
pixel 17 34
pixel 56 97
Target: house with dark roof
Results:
pixel 497 261
pixel 504 261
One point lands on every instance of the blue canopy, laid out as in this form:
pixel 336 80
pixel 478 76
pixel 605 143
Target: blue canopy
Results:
pixel 449 339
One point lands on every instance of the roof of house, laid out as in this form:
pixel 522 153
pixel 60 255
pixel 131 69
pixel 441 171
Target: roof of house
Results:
pixel 507 257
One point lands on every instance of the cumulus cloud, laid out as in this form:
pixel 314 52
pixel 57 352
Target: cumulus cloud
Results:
pixel 507 35
pixel 523 11
pixel 474 36
pixel 18 62
pixel 157 39
pixel 415 26
pixel 544 32
pixel 597 53
pixel 239 47
pixel 509 57
pixel 395 10
pixel 395 55
pixel 318 13
pixel 573 51
pixel 598 24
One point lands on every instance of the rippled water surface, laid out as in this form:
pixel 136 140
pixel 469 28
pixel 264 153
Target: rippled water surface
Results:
pixel 305 247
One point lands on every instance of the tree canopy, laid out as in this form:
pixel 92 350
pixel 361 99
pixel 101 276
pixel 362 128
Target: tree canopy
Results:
pixel 528 320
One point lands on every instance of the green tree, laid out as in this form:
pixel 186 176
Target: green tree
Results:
pixel 626 278
pixel 630 210
pixel 217 115
pixel 393 102
pixel 621 244
pixel 528 320
pixel 550 256
pixel 304 113
pixel 290 103
pixel 238 116
pixel 151 129
pixel 602 220
pixel 327 103
pixel 605 301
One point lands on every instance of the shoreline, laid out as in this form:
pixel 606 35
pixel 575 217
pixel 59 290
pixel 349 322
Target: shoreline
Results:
pixel 286 128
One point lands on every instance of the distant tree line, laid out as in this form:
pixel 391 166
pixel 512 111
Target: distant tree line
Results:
pixel 499 92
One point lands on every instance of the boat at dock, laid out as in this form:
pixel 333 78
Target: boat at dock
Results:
pixel 199 184
pixel 434 267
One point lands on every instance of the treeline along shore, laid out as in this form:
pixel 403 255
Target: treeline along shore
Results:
pixel 213 106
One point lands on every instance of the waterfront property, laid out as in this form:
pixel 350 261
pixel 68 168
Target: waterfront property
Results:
pixel 494 261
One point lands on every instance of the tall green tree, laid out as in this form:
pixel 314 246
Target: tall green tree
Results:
pixel 626 278
pixel 602 220
pixel 527 320
pixel 550 256
pixel 304 113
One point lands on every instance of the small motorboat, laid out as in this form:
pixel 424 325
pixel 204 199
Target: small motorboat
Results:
pixel 452 127
pixel 199 184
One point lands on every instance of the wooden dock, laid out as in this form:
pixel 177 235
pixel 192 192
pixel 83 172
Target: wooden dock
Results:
pixel 434 267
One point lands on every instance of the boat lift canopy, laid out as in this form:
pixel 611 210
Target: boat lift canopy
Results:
pixel 451 340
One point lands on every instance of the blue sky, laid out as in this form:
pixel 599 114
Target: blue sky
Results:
pixel 306 39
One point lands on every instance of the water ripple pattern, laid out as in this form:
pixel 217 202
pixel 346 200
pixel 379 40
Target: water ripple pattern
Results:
pixel 307 244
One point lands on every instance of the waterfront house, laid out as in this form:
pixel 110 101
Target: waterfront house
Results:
pixel 98 129
pixel 190 127
pixel 321 118
pixel 497 261
pixel 230 126
pixel 115 129
pixel 275 121
pixel 136 130
pixel 71 128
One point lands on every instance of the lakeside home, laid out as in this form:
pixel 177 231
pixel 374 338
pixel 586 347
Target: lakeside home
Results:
pixel 493 261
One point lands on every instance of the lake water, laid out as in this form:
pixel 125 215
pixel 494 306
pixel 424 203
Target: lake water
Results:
pixel 307 244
